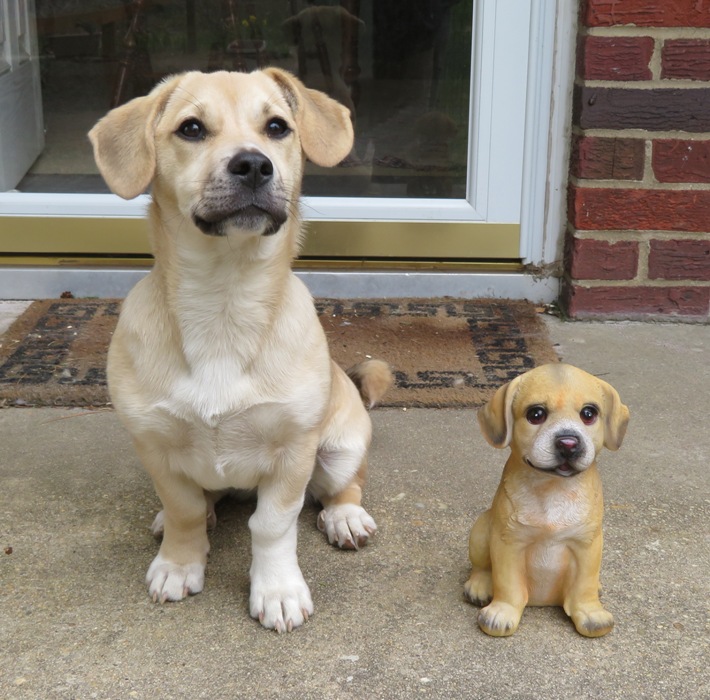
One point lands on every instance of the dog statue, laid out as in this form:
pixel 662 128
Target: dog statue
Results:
pixel 540 543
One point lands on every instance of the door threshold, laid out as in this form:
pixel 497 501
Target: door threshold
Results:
pixel 50 282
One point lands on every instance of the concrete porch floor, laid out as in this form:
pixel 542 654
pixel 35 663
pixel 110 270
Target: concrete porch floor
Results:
pixel 390 620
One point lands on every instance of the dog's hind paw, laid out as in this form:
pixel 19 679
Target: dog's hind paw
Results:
pixel 169 581
pixel 347 525
pixel 479 588
pixel 158 525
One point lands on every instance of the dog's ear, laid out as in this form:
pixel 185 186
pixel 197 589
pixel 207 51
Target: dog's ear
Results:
pixel 123 141
pixel 616 417
pixel 496 417
pixel 323 124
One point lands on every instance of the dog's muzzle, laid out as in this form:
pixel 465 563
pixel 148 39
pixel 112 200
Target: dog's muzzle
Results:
pixel 562 469
pixel 244 197
pixel 568 450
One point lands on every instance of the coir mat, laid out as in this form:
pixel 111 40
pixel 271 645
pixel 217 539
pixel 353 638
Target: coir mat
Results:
pixel 443 352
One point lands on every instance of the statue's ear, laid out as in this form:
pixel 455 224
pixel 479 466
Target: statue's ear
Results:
pixel 616 417
pixel 496 417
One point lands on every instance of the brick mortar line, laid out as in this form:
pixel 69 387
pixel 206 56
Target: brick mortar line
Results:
pixel 628 284
pixel 637 235
pixel 655 64
pixel 646 184
pixel 659 84
pixel 649 178
pixel 634 31
pixel 644 249
pixel 643 134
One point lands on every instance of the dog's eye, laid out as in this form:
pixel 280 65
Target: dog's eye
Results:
pixel 536 415
pixel 277 128
pixel 589 414
pixel 192 130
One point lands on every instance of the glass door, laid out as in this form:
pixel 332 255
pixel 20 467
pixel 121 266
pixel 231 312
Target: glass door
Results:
pixel 438 92
pixel 21 132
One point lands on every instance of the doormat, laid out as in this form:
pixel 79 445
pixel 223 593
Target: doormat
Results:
pixel 443 352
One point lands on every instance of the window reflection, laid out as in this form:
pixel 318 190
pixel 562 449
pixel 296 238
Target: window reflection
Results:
pixel 403 69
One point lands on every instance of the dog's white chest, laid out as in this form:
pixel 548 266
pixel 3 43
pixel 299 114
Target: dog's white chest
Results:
pixel 211 391
pixel 237 449
pixel 550 522
pixel 556 510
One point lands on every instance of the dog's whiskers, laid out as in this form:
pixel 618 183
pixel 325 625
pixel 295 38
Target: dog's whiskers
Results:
pixel 194 101
pixel 277 96
pixel 305 205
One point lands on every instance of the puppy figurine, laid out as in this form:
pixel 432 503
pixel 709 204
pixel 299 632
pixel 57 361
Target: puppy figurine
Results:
pixel 540 543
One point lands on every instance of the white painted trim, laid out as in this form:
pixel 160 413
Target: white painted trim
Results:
pixel 537 132
pixel 71 205
pixel 510 68
pixel 547 131
pixel 391 209
pixel 560 143
pixel 48 283
pixel 459 285
pixel 313 208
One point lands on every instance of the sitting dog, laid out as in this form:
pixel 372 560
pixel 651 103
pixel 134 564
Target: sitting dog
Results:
pixel 219 367
pixel 541 541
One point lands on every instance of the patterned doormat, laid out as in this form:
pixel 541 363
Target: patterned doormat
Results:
pixel 444 353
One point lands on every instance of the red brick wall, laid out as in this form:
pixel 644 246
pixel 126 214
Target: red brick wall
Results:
pixel 638 240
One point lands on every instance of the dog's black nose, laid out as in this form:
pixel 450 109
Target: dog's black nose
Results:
pixel 567 445
pixel 252 168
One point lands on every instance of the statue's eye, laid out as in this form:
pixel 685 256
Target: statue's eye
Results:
pixel 277 128
pixel 589 414
pixel 192 130
pixel 536 415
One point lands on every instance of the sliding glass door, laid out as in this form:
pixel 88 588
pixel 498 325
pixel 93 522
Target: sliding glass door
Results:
pixel 438 91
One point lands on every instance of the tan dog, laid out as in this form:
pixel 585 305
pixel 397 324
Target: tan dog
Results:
pixel 541 541
pixel 219 367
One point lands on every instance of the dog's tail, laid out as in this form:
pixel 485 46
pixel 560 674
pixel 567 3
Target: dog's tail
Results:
pixel 372 378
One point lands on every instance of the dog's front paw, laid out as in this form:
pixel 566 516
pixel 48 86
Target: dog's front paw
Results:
pixel 280 605
pixel 594 622
pixel 499 619
pixel 347 525
pixel 479 588
pixel 169 581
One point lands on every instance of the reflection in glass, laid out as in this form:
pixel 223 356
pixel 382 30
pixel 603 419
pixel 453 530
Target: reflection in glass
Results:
pixel 403 69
